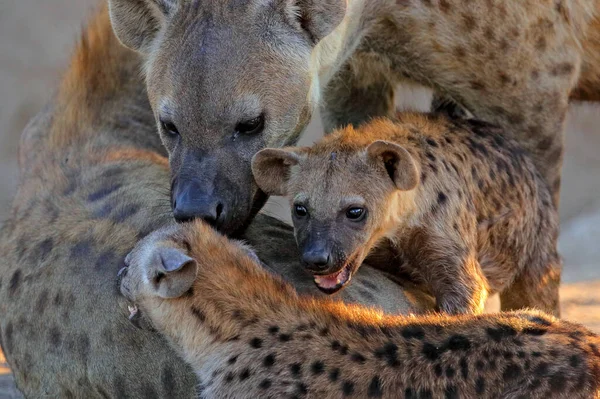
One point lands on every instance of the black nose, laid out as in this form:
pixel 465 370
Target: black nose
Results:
pixel 317 260
pixel 190 202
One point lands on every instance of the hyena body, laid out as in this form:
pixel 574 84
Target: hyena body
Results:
pixel 263 340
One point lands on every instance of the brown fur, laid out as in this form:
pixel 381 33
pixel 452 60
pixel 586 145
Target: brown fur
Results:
pixel 263 340
pixel 480 220
pixel 94 180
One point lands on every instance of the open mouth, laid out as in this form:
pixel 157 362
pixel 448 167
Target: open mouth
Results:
pixel 332 283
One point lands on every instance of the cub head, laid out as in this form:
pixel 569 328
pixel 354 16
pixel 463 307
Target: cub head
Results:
pixel 344 196
pixel 225 79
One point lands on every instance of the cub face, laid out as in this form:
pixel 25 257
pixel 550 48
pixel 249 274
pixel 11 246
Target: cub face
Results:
pixel 225 79
pixel 343 200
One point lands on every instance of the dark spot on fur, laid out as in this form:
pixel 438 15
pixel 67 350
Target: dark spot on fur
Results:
pixel 285 337
pixel 245 374
pixel 438 370
pixel 425 394
pixel 558 383
pixel 442 198
pixel 413 332
pixel 199 314
pixel 82 250
pixel 534 331
pixel 575 361
pixel 511 372
pixel 229 377
pixel 42 302
pixel 450 372
pixel 388 352
pixel 469 23
pixel 480 385
pixel 301 388
pixel 107 259
pixel 464 368
pixel 347 388
pixel 479 365
pixel 256 343
pixel 103 192
pixel 317 367
pixel 375 389
pixel 125 212
pixel 503 331
pixel 458 342
pixel 265 384
pixel 562 69
pixel 451 392
pixel 540 321
pixel 432 142
pixel 273 330
pixel 296 369
pixel 14 283
pixel 232 359
pixel 431 352
pixel 334 375
pixel 358 358
pixel 269 360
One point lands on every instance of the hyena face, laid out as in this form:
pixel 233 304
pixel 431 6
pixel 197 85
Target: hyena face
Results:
pixel 225 79
pixel 344 200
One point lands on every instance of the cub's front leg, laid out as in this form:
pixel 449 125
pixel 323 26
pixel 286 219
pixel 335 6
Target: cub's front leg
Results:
pixel 448 266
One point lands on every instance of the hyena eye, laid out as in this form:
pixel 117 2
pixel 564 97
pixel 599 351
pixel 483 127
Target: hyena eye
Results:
pixel 251 126
pixel 356 214
pixel 169 128
pixel 300 211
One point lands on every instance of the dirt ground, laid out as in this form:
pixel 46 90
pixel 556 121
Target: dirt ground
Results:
pixel 36 38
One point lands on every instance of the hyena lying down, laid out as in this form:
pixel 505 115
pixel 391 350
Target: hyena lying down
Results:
pixel 247 334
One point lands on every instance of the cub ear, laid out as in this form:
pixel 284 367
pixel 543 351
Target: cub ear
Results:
pixel 320 17
pixel 271 169
pixel 136 22
pixel 398 163
pixel 176 273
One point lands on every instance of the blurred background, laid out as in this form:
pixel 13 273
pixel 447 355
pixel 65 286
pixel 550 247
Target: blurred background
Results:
pixel 37 37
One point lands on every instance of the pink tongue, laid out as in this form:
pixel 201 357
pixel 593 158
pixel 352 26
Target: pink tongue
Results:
pixel 331 281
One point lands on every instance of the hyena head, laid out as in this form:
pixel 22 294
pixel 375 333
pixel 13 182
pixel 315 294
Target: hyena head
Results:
pixel 225 79
pixel 346 193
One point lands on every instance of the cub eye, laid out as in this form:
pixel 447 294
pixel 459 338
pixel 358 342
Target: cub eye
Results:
pixel 300 211
pixel 169 128
pixel 356 214
pixel 251 126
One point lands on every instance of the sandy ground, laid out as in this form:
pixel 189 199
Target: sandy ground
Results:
pixel 36 38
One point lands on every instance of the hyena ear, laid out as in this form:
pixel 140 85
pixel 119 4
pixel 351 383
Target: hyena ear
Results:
pixel 271 169
pixel 136 22
pixel 319 17
pixel 175 274
pixel 398 163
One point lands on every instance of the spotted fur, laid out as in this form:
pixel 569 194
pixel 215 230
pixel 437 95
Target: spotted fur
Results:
pixel 263 340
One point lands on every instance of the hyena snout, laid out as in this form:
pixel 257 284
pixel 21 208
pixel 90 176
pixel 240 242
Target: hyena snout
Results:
pixel 190 201
pixel 317 257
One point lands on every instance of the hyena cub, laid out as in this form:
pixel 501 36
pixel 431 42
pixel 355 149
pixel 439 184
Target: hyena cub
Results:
pixel 452 205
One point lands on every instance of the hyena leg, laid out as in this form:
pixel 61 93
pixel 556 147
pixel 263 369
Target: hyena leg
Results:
pixel 534 290
pixel 358 92
pixel 517 74
pixel 450 270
